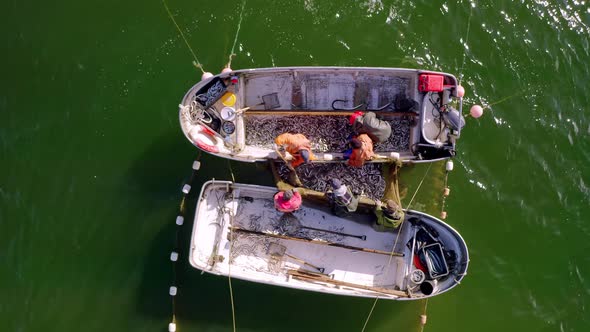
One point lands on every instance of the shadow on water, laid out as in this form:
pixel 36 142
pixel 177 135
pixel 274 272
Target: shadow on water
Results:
pixel 163 166
pixel 153 299
pixel 158 176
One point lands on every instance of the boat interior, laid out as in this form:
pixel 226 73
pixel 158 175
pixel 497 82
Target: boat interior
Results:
pixel 254 211
pixel 265 245
pixel 317 104
pixel 252 107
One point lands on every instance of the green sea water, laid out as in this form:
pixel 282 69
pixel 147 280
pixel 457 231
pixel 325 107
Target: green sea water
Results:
pixel 92 159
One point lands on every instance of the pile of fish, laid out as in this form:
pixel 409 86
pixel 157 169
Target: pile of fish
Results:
pixel 262 130
pixel 366 180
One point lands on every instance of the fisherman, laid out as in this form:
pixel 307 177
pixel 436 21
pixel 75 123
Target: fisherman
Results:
pixel 298 146
pixel 362 150
pixel 368 123
pixel 341 198
pixel 389 216
pixel 287 201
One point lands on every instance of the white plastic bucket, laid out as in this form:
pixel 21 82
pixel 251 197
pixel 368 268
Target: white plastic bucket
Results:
pixel 228 113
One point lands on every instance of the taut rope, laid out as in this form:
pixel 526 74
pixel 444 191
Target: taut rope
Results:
pixel 196 62
pixel 465 42
pixel 231 246
pixel 232 53
pixel 396 190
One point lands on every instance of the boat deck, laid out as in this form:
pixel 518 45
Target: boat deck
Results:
pixel 264 227
pixel 351 265
pixel 238 232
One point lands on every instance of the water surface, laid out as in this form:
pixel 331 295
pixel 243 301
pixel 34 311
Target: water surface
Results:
pixel 93 159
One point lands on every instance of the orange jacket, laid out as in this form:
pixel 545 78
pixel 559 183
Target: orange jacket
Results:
pixel 365 152
pixel 294 143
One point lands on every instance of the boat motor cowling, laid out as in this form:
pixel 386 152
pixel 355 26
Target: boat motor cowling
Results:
pixel 454 120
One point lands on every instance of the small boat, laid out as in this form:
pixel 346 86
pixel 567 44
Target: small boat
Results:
pixel 237 232
pixel 238 114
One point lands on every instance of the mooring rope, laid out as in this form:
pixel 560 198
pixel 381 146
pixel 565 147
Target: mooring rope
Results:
pixel 471 5
pixel 506 98
pixel 423 316
pixel 419 185
pixel 232 52
pixel 231 172
pixel 370 313
pixel 385 273
pixel 196 62
pixel 395 243
pixel 231 246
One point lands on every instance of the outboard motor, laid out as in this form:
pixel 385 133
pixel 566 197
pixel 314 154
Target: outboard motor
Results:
pixel 454 120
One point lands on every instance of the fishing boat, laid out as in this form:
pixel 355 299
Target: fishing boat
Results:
pixel 237 232
pixel 238 114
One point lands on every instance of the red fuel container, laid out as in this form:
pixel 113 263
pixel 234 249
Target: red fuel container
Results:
pixel 430 83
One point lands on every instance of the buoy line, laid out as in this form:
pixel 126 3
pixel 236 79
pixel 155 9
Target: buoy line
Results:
pixel 443 215
pixel 196 165
pixel 423 317
pixel 174 255
pixel 446 190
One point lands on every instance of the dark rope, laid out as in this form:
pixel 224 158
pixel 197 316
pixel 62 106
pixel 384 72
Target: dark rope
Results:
pixel 345 109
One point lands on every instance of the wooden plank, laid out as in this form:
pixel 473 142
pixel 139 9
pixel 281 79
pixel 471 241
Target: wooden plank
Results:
pixel 312 273
pixel 324 279
pixel 324 112
pixel 325 243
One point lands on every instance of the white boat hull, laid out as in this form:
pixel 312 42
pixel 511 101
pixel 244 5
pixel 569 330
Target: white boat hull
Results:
pixel 237 231
pixel 232 116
